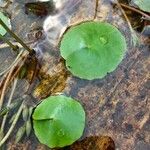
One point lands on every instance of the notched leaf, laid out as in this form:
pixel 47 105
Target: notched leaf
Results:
pixel 92 49
pixel 58 121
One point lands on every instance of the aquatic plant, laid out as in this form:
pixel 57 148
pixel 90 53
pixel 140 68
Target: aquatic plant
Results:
pixel 92 49
pixel 58 121
pixel 6 20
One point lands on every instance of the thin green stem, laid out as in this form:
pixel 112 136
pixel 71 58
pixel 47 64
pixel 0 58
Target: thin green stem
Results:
pixel 14 47
pixel 12 125
pixel 8 104
pixel 15 36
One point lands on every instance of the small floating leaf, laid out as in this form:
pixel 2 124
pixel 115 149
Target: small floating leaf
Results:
pixel 58 121
pixel 143 4
pixel 6 21
pixel 92 49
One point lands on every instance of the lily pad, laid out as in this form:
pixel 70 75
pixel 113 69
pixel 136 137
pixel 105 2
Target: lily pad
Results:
pixel 58 121
pixel 143 4
pixel 92 49
pixel 6 20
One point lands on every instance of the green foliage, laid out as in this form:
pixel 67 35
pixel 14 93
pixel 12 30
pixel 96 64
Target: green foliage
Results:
pixel 20 133
pixel 143 4
pixel 58 121
pixel 92 49
pixel 6 21
pixel 28 127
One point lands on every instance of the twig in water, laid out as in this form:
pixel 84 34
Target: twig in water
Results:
pixel 14 47
pixel 96 9
pixel 136 10
pixel 11 75
pixel 12 125
pixel 12 65
pixel 134 40
pixel 2 94
pixel 15 37
pixel 8 104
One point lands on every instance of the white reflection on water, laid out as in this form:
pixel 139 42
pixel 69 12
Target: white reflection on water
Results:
pixel 55 25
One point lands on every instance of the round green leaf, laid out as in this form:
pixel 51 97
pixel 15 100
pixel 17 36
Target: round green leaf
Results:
pixel 92 49
pixel 143 4
pixel 6 21
pixel 58 121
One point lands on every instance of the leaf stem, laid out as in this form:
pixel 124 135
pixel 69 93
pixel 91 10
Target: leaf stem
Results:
pixel 11 75
pixel 13 63
pixel 12 125
pixel 4 88
pixel 8 104
pixel 15 36
pixel 14 47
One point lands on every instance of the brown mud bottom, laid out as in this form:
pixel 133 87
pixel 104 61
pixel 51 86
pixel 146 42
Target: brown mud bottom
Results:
pixel 93 143
pixel 89 143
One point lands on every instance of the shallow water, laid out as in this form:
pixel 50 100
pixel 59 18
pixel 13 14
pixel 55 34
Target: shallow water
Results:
pixel 117 105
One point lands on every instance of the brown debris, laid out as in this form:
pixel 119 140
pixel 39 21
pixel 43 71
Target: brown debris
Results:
pixel 52 82
pixel 19 146
pixel 94 143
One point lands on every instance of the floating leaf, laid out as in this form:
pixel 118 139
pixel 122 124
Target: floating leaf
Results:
pixel 92 49
pixel 58 121
pixel 6 21
pixel 143 4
